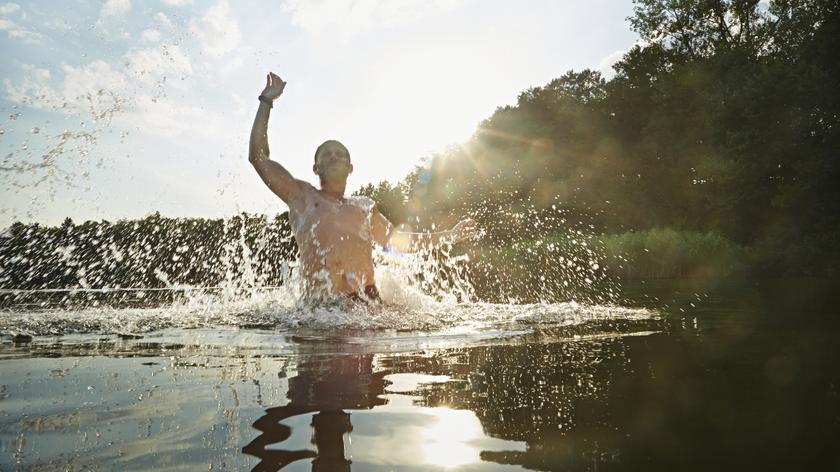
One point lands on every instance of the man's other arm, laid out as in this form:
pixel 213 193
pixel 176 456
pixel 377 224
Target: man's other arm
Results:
pixel 386 236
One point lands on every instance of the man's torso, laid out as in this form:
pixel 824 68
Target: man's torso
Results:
pixel 334 237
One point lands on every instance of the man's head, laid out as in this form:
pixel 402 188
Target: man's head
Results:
pixel 332 161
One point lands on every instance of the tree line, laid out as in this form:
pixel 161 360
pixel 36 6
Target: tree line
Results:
pixel 722 127
pixel 238 253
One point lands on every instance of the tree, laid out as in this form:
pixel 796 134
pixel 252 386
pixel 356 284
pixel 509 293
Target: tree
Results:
pixel 691 29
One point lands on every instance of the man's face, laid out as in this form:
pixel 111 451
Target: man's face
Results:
pixel 333 162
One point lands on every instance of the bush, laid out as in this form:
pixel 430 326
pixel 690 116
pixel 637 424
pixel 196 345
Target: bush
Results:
pixel 667 253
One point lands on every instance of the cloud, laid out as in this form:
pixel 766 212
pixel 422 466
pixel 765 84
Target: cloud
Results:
pixel 58 24
pixel 351 17
pixel 96 87
pixel 40 73
pixel 91 77
pixel 94 91
pixel 129 96
pixel 30 91
pixel 177 3
pixel 97 91
pixel 150 36
pixel 217 31
pixel 605 66
pixel 15 30
pixel 164 20
pixel 8 8
pixel 152 66
pixel 169 118
pixel 112 19
pixel 115 8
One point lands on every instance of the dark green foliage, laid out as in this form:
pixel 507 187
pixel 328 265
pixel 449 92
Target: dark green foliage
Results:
pixel 389 200
pixel 667 253
pixel 726 121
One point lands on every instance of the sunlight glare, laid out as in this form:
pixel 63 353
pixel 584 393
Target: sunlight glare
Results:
pixel 447 442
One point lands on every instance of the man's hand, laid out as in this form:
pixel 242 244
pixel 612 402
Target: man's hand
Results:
pixel 274 86
pixel 465 229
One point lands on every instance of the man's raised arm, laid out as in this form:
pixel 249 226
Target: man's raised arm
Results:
pixel 275 176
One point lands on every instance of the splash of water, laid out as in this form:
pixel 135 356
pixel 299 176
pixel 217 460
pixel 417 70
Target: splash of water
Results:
pixel 159 273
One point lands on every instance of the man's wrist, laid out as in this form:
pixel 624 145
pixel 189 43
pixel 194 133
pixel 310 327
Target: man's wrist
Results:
pixel 266 100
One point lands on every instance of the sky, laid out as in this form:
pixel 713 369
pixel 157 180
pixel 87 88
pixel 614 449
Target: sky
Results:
pixel 119 108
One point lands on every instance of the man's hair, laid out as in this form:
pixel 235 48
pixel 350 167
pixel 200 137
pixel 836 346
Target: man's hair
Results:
pixel 327 142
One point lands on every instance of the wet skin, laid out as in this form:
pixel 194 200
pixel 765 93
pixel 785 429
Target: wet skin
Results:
pixel 335 234
pixel 335 237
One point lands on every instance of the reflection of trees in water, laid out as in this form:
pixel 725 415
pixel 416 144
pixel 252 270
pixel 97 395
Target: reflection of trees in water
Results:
pixel 326 385
pixel 658 402
pixel 552 396
pixel 525 392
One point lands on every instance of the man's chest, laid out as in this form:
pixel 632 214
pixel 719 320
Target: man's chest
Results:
pixel 333 221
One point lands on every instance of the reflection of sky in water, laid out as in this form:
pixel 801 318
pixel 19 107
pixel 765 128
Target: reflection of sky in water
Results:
pixel 167 411
pixel 400 435
pixel 404 435
pixel 144 412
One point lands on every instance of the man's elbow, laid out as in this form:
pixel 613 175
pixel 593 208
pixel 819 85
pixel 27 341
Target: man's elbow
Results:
pixel 257 155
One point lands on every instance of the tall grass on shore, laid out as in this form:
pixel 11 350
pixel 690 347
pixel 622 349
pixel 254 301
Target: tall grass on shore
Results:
pixel 670 253
pixel 647 254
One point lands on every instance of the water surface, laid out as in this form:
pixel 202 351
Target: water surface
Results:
pixel 683 376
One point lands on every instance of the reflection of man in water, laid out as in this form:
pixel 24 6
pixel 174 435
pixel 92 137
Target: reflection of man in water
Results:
pixel 328 386
pixel 335 234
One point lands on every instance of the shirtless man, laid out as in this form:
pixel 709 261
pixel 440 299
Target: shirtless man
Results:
pixel 335 233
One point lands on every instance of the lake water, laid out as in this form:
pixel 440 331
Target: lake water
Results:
pixel 688 376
